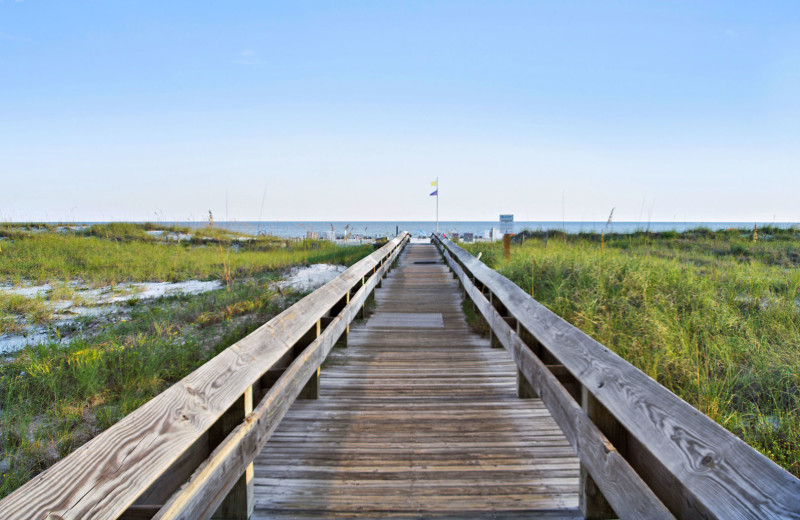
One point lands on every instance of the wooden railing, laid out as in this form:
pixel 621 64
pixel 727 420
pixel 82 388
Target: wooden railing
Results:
pixel 644 452
pixel 188 452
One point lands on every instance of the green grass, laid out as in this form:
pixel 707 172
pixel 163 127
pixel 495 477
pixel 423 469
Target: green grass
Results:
pixel 714 317
pixel 102 259
pixel 120 231
pixel 36 310
pixel 55 397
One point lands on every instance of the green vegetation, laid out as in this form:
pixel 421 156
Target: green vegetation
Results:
pixel 54 397
pixel 712 316
pixel 35 310
pixel 113 253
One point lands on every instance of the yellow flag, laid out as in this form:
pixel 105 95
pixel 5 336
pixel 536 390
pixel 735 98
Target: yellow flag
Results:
pixel 435 183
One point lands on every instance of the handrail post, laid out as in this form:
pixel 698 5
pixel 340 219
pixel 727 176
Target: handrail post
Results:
pixel 502 311
pixel 337 308
pixel 311 389
pixel 343 339
pixel 239 503
pixel 360 313
pixel 593 504
pixel 524 388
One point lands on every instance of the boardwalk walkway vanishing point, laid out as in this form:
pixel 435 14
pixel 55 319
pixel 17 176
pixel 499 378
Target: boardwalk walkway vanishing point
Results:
pixel 417 416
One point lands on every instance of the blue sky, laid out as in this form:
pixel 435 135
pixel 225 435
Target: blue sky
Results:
pixel 347 110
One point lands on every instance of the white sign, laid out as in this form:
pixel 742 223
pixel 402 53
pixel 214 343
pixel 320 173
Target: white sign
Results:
pixel 507 224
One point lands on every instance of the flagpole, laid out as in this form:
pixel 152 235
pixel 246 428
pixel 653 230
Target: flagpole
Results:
pixel 437 205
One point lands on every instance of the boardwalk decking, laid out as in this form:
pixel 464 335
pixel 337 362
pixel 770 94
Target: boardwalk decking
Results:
pixel 418 417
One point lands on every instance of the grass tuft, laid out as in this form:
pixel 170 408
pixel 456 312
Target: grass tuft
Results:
pixel 712 316
pixel 55 397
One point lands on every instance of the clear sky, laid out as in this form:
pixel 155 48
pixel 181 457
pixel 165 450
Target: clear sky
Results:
pixel 341 110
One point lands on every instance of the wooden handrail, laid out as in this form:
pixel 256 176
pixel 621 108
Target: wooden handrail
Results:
pixel 211 482
pixel 153 451
pixel 692 465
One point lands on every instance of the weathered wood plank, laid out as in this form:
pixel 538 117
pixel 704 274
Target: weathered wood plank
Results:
pixel 417 419
pixel 703 470
pixel 238 503
pixel 204 491
pixel 621 485
pixel 560 514
pixel 105 476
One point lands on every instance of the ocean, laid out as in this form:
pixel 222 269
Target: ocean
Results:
pixel 372 229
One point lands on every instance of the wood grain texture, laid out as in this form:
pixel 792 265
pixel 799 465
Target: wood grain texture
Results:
pixel 621 485
pixel 101 479
pixel 696 467
pixel 216 476
pixel 417 421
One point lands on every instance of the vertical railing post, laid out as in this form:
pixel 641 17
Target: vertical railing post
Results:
pixel 360 313
pixel 524 389
pixel 238 505
pixel 591 500
pixel 343 340
pixel 311 390
pixel 492 339
pixel 500 308
pixel 471 301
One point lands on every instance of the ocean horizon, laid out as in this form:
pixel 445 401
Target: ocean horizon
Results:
pixel 372 229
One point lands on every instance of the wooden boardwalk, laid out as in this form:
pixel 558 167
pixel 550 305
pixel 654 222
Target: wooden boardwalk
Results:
pixel 418 417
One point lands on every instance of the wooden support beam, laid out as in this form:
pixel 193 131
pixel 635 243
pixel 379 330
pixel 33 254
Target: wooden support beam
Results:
pixel 593 504
pixel 524 388
pixel 493 341
pixel 269 377
pixel 238 504
pixel 371 297
pixel 334 312
pixel 529 340
pixel 170 481
pixel 311 389
pixel 512 321
pixel 342 342
pixel 360 313
pixel 326 320
pixel 567 380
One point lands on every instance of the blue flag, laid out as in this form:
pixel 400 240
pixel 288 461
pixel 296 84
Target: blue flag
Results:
pixel 435 193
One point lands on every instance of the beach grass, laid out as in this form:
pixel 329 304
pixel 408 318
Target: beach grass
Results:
pixel 114 253
pixel 712 316
pixel 56 396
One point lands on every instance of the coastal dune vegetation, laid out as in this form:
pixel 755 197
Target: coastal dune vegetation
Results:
pixel 56 395
pixel 712 316
pixel 125 252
